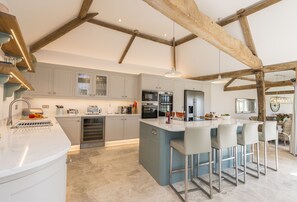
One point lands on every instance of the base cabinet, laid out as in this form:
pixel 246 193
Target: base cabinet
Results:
pixel 121 128
pixel 46 183
pixel 72 128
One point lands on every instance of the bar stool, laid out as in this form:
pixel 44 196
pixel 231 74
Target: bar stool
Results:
pixel 226 138
pixel 269 132
pixel 249 136
pixel 196 141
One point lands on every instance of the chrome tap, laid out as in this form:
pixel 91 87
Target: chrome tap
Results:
pixel 9 120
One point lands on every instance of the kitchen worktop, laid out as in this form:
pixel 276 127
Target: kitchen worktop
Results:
pixel 24 149
pixel 179 126
pixel 94 115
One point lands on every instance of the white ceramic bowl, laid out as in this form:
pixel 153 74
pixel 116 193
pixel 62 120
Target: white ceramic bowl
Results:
pixel 226 117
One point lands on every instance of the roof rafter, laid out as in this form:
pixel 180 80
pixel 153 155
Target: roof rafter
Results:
pixel 85 8
pixel 232 18
pixel 186 14
pixel 129 31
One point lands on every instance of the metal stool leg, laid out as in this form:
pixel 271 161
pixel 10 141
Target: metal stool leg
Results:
pixel 220 168
pixel 244 166
pixel 170 166
pixel 192 167
pixel 258 159
pixel 276 155
pixel 186 178
pixel 236 165
pixel 210 175
pixel 265 157
pixel 198 163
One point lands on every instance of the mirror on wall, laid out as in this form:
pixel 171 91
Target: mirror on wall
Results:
pixel 245 106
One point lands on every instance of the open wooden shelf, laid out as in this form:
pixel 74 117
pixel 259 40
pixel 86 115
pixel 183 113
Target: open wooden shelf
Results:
pixel 15 76
pixel 9 25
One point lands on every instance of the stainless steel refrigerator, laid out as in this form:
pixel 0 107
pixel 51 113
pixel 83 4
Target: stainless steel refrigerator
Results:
pixel 193 105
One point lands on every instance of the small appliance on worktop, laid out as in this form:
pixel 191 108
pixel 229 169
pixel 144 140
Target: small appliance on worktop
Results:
pixel 93 110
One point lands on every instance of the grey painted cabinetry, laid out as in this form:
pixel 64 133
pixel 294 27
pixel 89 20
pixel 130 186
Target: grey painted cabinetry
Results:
pixel 49 81
pixel 123 87
pixel 72 128
pixel 121 128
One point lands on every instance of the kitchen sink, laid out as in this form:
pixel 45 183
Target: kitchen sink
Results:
pixel 32 123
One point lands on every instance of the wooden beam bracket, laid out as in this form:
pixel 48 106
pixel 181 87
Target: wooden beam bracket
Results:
pixel 128 46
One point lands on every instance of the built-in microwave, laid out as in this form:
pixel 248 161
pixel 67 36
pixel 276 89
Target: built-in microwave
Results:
pixel 150 96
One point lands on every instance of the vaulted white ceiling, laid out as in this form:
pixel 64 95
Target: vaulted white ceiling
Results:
pixel 97 47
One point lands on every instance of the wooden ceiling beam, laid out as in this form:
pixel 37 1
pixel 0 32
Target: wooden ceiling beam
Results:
pixel 85 8
pixel 232 18
pixel 247 34
pixel 245 72
pixel 254 86
pixel 60 32
pixel 280 92
pixel 186 14
pixel 128 46
pixel 229 82
pixel 129 31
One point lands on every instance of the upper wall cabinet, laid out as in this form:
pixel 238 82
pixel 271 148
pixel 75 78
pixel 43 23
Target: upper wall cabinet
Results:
pixel 50 81
pixel 91 84
pixel 123 87
pixel 149 82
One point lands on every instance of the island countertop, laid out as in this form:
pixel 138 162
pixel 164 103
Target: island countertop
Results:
pixel 179 126
pixel 24 149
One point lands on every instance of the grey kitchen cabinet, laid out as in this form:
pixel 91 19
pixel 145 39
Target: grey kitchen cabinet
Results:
pixel 121 128
pixel 72 128
pixel 156 83
pixel 91 84
pixel 49 81
pixel 122 87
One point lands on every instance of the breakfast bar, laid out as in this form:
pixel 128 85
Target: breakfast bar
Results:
pixel 154 145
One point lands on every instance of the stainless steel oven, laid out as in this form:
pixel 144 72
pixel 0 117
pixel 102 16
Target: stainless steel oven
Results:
pixel 149 110
pixel 150 96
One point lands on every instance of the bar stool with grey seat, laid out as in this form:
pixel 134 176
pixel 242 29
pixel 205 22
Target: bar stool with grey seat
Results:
pixel 226 138
pixel 249 136
pixel 196 141
pixel 269 133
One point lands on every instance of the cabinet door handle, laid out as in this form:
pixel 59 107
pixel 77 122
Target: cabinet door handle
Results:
pixel 54 93
pixel 154 132
pixel 49 92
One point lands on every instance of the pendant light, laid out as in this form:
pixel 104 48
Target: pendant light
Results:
pixel 219 80
pixel 173 73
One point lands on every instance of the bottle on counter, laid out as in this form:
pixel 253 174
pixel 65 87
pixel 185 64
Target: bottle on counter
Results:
pixel 168 117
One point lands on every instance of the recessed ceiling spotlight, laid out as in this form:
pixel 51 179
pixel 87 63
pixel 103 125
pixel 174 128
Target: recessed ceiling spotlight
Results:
pixel 120 20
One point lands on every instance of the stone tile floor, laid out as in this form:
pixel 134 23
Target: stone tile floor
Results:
pixel 111 174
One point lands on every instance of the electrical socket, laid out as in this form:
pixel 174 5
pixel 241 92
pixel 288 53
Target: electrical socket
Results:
pixel 45 106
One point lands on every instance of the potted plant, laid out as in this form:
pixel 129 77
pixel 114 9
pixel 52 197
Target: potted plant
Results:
pixel 225 116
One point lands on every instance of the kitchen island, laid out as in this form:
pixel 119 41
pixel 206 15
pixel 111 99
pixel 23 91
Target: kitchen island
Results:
pixel 33 163
pixel 154 145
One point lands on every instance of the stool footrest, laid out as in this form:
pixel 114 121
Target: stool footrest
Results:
pixel 224 178
pixel 251 174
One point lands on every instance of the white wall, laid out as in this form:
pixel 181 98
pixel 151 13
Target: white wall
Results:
pixel 223 102
pixel 79 104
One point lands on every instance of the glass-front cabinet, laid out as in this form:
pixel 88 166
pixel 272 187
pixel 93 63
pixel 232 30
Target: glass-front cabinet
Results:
pixel 101 85
pixel 88 84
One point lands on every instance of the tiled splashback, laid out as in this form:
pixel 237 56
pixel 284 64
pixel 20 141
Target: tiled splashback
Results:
pixel 80 104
